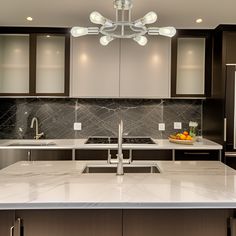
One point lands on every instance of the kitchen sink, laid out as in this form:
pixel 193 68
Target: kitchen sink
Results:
pixel 127 169
pixel 33 144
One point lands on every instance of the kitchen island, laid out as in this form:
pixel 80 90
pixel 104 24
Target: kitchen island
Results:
pixel 56 198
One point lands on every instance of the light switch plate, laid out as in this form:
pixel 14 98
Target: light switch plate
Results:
pixel 77 126
pixel 177 125
pixel 161 127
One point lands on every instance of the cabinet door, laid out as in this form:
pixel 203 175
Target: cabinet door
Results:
pixel 175 222
pixel 11 156
pixel 71 222
pixel 230 46
pixel 14 64
pixel 191 64
pixel 6 222
pixel 51 155
pixel 95 68
pixel 190 78
pixel 145 71
pixel 51 64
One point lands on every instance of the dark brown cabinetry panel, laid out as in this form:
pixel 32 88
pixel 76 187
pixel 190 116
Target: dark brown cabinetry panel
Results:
pixel 6 222
pixel 71 222
pixel 51 155
pixel 175 222
pixel 205 34
pixel 33 34
pixel 230 45
pixel 197 155
pixel 136 154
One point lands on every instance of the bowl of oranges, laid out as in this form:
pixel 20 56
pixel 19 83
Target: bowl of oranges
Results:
pixel 182 138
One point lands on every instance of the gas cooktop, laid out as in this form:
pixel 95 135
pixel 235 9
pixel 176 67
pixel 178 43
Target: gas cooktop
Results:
pixel 126 140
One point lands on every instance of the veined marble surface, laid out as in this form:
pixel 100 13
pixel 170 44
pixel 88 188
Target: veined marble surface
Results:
pixel 61 185
pixel 204 144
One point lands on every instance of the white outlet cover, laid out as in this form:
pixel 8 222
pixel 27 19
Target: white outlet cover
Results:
pixel 177 125
pixel 77 126
pixel 161 127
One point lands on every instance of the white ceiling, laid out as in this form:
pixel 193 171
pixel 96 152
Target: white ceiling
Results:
pixel 57 13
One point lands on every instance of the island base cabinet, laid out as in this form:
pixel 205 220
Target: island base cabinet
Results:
pixel 175 222
pixel 71 222
pixel 6 222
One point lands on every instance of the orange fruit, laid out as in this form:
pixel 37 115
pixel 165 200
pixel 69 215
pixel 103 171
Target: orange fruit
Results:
pixel 182 137
pixel 189 137
pixel 185 133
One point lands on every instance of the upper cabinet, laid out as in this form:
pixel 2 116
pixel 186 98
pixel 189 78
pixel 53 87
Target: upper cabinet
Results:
pixel 14 64
pixel 34 61
pixel 123 69
pixel 191 63
pixel 145 71
pixel 95 68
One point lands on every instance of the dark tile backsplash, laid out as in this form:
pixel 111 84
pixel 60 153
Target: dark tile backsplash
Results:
pixel 99 117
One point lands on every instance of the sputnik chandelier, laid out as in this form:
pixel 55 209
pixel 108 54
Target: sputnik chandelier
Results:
pixel 123 26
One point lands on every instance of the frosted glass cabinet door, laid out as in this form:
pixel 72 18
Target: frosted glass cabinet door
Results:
pixel 145 71
pixel 190 66
pixel 14 64
pixel 50 64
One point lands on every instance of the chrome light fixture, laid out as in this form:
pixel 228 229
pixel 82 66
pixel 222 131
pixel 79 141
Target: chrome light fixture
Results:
pixel 123 26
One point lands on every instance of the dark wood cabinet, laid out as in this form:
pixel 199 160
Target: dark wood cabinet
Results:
pixel 175 222
pixel 197 155
pixel 7 218
pixel 134 154
pixel 191 63
pixel 51 155
pixel 71 222
pixel 34 61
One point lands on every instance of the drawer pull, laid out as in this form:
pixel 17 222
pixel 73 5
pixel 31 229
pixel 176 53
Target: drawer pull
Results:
pixel 196 153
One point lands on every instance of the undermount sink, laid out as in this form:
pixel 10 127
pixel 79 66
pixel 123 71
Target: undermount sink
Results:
pixel 127 169
pixel 36 143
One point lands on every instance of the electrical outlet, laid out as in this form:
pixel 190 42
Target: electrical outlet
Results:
pixel 77 126
pixel 161 127
pixel 177 125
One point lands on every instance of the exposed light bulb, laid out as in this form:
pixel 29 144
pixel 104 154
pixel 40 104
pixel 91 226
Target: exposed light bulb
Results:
pixel 97 18
pixel 167 31
pixel 149 18
pixel 105 40
pixel 79 31
pixel 141 40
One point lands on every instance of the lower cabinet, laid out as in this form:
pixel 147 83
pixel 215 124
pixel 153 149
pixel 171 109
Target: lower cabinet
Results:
pixel 6 222
pixel 135 154
pixel 197 155
pixel 71 222
pixel 192 222
pixel 51 155
pixel 11 156
pixel 175 222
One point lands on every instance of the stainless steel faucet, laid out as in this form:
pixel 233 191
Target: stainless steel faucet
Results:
pixel 120 169
pixel 37 135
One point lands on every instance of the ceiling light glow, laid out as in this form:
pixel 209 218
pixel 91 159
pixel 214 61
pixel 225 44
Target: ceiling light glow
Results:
pixel 199 21
pixel 29 18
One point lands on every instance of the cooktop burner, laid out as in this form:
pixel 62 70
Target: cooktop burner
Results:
pixel 113 140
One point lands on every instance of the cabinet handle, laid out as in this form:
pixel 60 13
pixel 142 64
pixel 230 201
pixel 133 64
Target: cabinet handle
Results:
pixel 196 153
pixel 18 228
pixel 12 231
pixel 225 129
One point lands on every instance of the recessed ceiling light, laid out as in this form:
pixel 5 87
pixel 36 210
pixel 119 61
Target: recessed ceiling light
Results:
pixel 48 36
pixel 199 20
pixel 29 18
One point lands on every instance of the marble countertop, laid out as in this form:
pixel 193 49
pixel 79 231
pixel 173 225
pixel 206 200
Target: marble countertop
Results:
pixel 61 185
pixel 204 144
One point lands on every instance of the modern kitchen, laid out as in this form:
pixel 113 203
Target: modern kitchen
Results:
pixel 117 118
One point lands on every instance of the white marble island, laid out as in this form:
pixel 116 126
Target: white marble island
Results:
pixel 62 185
